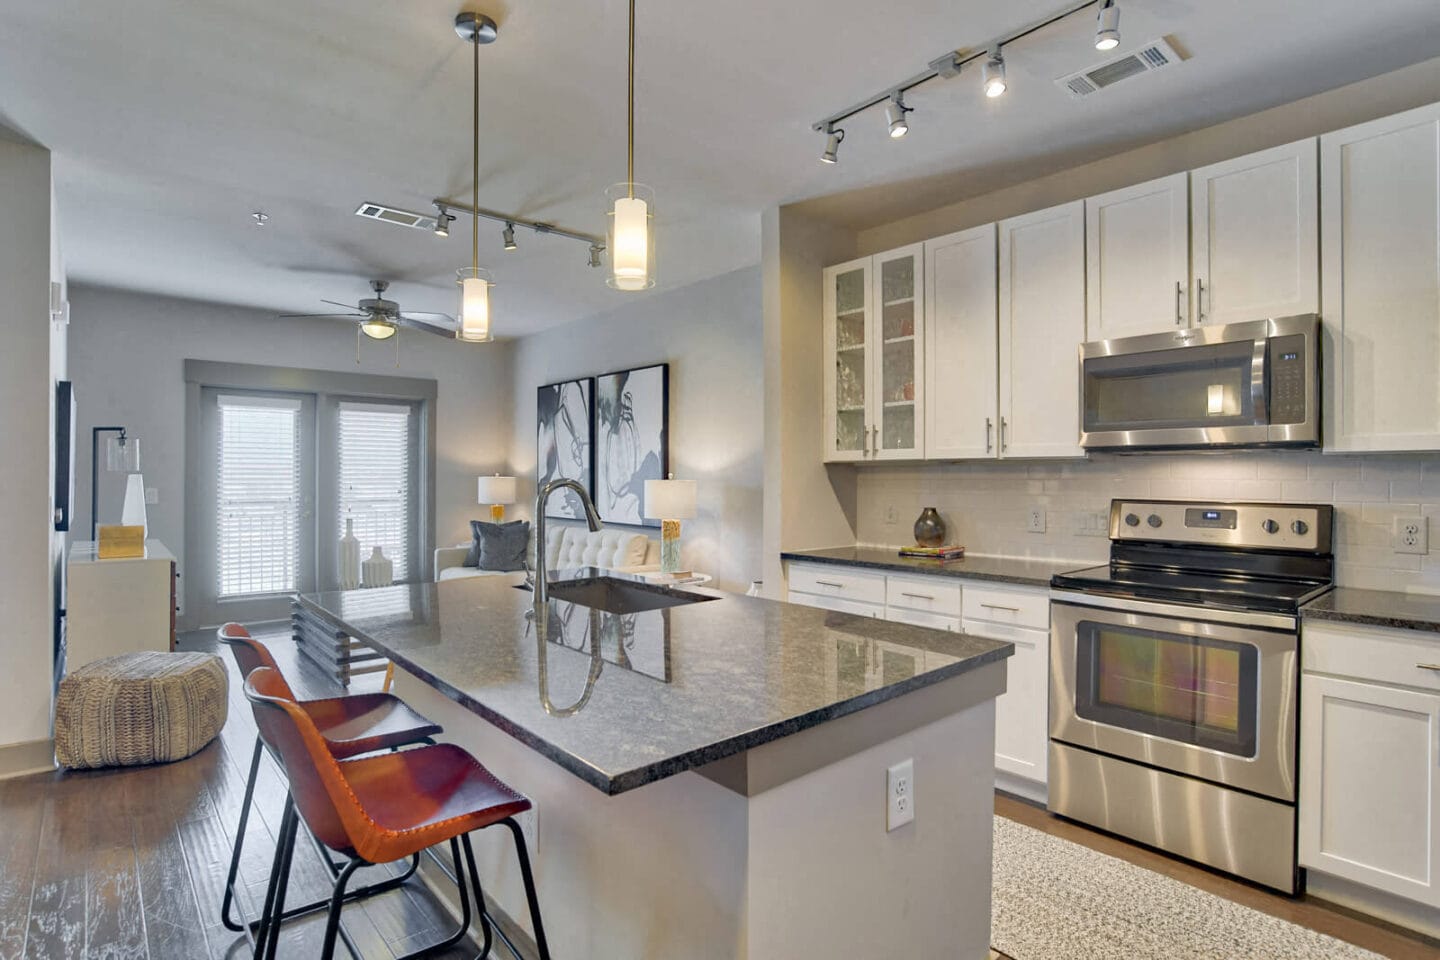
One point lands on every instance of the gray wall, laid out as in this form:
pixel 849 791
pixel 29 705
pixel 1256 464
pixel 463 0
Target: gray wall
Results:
pixel 31 358
pixel 710 334
pixel 127 359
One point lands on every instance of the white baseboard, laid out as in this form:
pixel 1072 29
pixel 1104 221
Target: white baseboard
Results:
pixel 31 756
pixel 1021 787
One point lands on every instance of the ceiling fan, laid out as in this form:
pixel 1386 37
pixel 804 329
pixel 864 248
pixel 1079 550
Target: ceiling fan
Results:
pixel 381 319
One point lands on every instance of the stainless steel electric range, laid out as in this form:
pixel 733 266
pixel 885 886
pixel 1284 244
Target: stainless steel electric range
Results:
pixel 1174 680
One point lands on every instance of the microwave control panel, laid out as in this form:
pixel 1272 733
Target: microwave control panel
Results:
pixel 1287 380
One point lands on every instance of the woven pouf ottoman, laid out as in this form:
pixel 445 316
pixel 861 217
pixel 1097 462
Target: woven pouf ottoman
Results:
pixel 139 708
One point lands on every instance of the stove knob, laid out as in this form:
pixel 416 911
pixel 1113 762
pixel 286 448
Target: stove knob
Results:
pixel 1131 520
pixel 1300 527
pixel 1154 520
pixel 1270 526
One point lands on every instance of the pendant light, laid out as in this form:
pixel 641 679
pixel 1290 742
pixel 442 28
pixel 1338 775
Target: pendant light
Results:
pixel 475 283
pixel 632 206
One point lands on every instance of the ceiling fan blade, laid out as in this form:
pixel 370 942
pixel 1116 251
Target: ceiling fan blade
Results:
pixel 337 303
pixel 440 329
pixel 435 318
pixel 321 316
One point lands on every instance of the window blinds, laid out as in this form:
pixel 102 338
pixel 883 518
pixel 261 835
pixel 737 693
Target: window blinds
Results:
pixel 258 495
pixel 377 444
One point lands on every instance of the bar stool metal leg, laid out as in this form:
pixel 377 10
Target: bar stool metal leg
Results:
pixel 529 877
pixel 234 874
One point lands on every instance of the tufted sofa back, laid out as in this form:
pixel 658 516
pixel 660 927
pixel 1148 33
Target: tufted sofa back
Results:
pixel 571 546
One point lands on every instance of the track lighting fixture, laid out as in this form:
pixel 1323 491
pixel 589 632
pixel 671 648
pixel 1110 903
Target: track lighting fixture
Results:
pixel 442 220
pixel 895 114
pixel 509 234
pixel 993 73
pixel 833 138
pixel 1107 26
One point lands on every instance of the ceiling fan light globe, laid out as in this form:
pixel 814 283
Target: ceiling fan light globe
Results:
pixel 377 328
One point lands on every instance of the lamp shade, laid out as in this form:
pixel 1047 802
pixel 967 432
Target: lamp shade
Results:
pixel 496 489
pixel 670 499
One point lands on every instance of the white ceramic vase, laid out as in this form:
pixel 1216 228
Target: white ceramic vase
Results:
pixel 377 570
pixel 349 558
pixel 132 514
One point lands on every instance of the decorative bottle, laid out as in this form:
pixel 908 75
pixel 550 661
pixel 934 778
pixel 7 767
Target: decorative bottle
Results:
pixel 378 570
pixel 929 528
pixel 349 557
pixel 132 512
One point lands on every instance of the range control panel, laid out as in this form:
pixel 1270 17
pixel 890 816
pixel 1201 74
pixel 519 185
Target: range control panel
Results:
pixel 1252 526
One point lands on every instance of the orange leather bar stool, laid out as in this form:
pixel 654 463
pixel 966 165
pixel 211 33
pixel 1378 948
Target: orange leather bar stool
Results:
pixel 381 809
pixel 350 726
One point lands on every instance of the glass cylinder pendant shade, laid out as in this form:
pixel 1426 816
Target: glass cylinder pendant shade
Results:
pixel 122 454
pixel 474 305
pixel 629 238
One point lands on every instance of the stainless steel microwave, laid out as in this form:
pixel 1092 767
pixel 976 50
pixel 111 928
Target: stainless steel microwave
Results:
pixel 1239 385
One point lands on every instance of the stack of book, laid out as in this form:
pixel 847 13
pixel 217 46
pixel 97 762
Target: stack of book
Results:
pixel 948 552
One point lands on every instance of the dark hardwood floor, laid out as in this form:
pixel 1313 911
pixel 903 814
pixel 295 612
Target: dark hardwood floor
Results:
pixel 131 863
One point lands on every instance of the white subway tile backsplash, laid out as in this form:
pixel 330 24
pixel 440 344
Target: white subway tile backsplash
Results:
pixel 985 504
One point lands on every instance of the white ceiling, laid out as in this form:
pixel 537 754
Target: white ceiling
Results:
pixel 172 120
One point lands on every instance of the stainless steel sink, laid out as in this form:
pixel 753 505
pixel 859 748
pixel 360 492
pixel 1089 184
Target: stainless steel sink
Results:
pixel 620 596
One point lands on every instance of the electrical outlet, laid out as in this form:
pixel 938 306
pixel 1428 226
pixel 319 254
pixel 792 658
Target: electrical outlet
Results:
pixel 892 516
pixel 900 794
pixel 1035 520
pixel 1412 535
pixel 152 495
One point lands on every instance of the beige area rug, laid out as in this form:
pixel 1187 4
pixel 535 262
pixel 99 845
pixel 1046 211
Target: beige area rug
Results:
pixel 1057 900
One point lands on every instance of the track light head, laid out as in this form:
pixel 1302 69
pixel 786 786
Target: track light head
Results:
pixel 895 112
pixel 993 74
pixel 442 220
pixel 1107 26
pixel 509 234
pixel 833 138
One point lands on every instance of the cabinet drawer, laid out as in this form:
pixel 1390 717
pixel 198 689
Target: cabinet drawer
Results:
pixel 838 604
pixel 829 581
pixel 1008 605
pixel 1371 653
pixel 928 594
pixel 920 618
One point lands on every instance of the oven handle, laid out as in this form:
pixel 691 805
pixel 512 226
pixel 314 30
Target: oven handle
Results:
pixel 1180 611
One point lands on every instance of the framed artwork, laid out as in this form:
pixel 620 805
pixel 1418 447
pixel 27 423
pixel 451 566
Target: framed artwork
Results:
pixel 563 416
pixel 632 440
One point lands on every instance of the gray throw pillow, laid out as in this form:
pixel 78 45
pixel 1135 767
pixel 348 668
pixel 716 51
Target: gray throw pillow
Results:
pixel 499 547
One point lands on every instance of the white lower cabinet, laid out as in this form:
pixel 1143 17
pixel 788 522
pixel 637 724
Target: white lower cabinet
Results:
pixel 1016 614
pixel 1370 764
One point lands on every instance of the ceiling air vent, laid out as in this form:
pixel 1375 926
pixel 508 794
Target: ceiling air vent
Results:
pixel 1150 57
pixel 403 218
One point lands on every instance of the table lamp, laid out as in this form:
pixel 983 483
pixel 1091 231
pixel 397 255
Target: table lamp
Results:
pixel 497 491
pixel 670 501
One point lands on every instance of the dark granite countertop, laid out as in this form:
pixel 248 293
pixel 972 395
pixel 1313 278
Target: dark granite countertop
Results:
pixel 664 691
pixel 1378 608
pixel 1035 573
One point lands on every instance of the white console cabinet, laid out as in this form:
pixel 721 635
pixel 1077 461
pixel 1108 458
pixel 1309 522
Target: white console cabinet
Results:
pixel 118 606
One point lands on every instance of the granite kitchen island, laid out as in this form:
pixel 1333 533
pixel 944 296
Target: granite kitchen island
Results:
pixel 709 770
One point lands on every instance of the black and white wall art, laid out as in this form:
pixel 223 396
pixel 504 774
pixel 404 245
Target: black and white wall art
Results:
pixel 563 427
pixel 632 440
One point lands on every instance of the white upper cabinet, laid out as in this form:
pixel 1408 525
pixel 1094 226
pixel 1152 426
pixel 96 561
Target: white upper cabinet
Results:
pixel 961 346
pixel 1137 259
pixel 1042 323
pixel 874 350
pixel 1255 236
pixel 1380 294
pixel 849 355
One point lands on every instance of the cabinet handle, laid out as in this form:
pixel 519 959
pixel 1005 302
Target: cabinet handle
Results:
pixel 1429 666
pixel 864 441
pixel 989 429
pixel 926 596
pixel 1179 295
pixel 1200 298
pixel 1004 444
pixel 874 440
pixel 829 583
pixel 996 606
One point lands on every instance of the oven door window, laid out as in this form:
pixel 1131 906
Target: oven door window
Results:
pixel 1193 690
pixel 1200 386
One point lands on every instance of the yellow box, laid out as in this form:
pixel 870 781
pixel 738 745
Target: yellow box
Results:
pixel 118 542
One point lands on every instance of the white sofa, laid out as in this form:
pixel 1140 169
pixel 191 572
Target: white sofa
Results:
pixel 566 546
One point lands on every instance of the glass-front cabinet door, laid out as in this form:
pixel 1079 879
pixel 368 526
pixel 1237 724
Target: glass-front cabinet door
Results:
pixel 897 421
pixel 849 359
